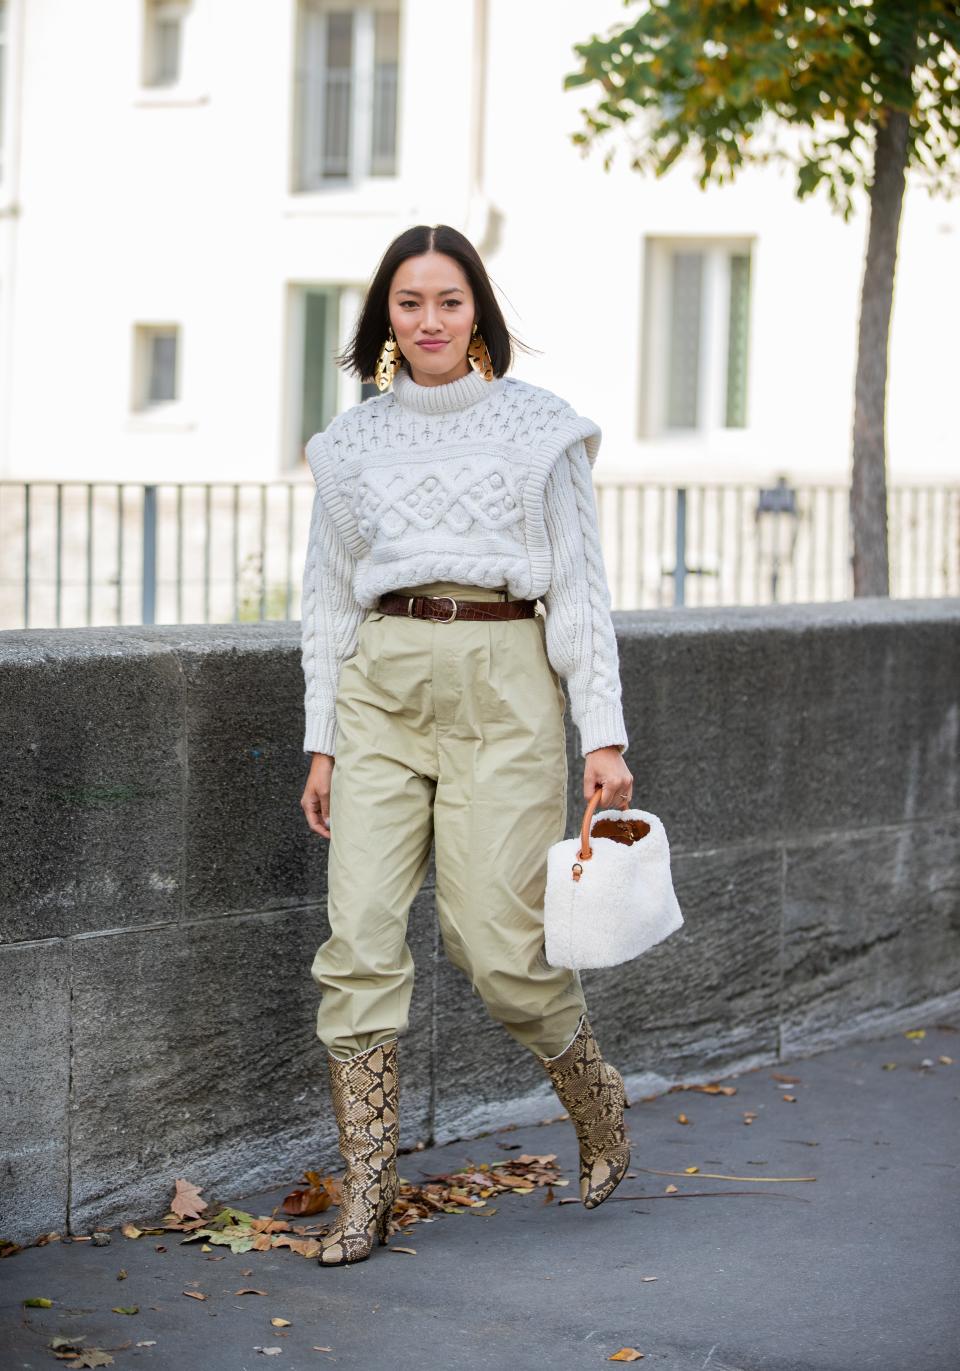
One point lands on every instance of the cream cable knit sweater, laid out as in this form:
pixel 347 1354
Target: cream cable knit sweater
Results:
pixel 483 482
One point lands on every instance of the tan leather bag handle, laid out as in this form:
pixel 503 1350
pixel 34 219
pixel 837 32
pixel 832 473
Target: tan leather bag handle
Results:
pixel 622 831
pixel 586 851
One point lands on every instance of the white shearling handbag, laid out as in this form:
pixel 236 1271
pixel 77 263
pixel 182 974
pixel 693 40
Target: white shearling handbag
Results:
pixel 609 894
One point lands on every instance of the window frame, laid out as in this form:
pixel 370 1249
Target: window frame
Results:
pixel 306 177
pixel 141 406
pixel 717 251
pixel 154 10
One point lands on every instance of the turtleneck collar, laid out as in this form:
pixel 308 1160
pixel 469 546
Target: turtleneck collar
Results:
pixel 443 399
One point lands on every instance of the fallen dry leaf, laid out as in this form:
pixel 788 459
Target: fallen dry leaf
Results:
pixel 671 1189
pixel 626 1354
pixel 186 1202
pixel 93 1356
pixel 787 1080
pixel 411 1251
pixel 271 1226
pixel 320 1193
pixel 915 1033
pixel 945 1061
pixel 280 1323
pixel 130 1230
pixel 682 1118
pixel 791 1099
pixel 194 1294
pixel 690 1170
pixel 306 1247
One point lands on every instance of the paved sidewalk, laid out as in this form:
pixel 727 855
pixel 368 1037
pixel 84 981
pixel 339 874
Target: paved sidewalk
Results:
pixel 857 1271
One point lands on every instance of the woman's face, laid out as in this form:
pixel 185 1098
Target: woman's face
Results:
pixel 431 301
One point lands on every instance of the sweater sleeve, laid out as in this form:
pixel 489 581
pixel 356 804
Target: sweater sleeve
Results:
pixel 581 642
pixel 330 624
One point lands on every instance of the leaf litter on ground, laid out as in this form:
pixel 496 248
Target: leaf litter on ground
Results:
pixel 467 1190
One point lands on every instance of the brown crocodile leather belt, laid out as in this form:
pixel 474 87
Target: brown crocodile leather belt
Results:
pixel 443 609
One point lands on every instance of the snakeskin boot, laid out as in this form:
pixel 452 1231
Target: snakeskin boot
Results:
pixel 592 1091
pixel 365 1091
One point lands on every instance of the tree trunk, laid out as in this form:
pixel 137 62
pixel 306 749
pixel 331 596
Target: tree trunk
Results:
pixel 868 489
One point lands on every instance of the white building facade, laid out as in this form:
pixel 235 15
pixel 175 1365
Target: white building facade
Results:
pixel 195 193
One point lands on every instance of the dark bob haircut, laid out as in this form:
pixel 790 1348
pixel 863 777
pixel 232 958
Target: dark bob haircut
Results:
pixel 360 356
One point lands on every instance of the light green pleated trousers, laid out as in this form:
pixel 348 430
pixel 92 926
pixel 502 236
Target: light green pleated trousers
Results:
pixel 451 734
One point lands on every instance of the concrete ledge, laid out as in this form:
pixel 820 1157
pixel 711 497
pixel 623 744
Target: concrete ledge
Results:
pixel 161 898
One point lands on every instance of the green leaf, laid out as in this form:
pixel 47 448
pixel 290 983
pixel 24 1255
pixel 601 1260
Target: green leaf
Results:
pixel 230 1216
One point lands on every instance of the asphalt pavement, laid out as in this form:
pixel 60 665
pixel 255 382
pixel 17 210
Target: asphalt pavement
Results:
pixel 857 1269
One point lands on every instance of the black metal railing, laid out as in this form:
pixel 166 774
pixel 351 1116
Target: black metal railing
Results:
pixel 93 553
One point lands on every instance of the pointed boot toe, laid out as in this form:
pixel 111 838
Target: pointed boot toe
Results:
pixel 593 1094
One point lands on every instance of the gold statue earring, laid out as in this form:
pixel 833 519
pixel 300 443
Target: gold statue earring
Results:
pixel 478 355
pixel 388 361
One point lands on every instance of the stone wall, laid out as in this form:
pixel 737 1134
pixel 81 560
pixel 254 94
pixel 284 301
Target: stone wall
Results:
pixel 161 898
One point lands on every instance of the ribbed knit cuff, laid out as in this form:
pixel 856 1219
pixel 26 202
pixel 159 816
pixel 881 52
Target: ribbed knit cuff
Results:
pixel 603 727
pixel 321 733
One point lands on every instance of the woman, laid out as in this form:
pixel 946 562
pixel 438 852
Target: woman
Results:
pixel 434 710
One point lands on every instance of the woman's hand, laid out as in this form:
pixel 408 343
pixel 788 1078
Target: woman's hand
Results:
pixel 315 801
pixel 605 767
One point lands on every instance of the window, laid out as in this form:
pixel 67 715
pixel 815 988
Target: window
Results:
pixel 156 380
pixel 347 78
pixel 316 338
pixel 3 82
pixel 163 41
pixel 696 352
